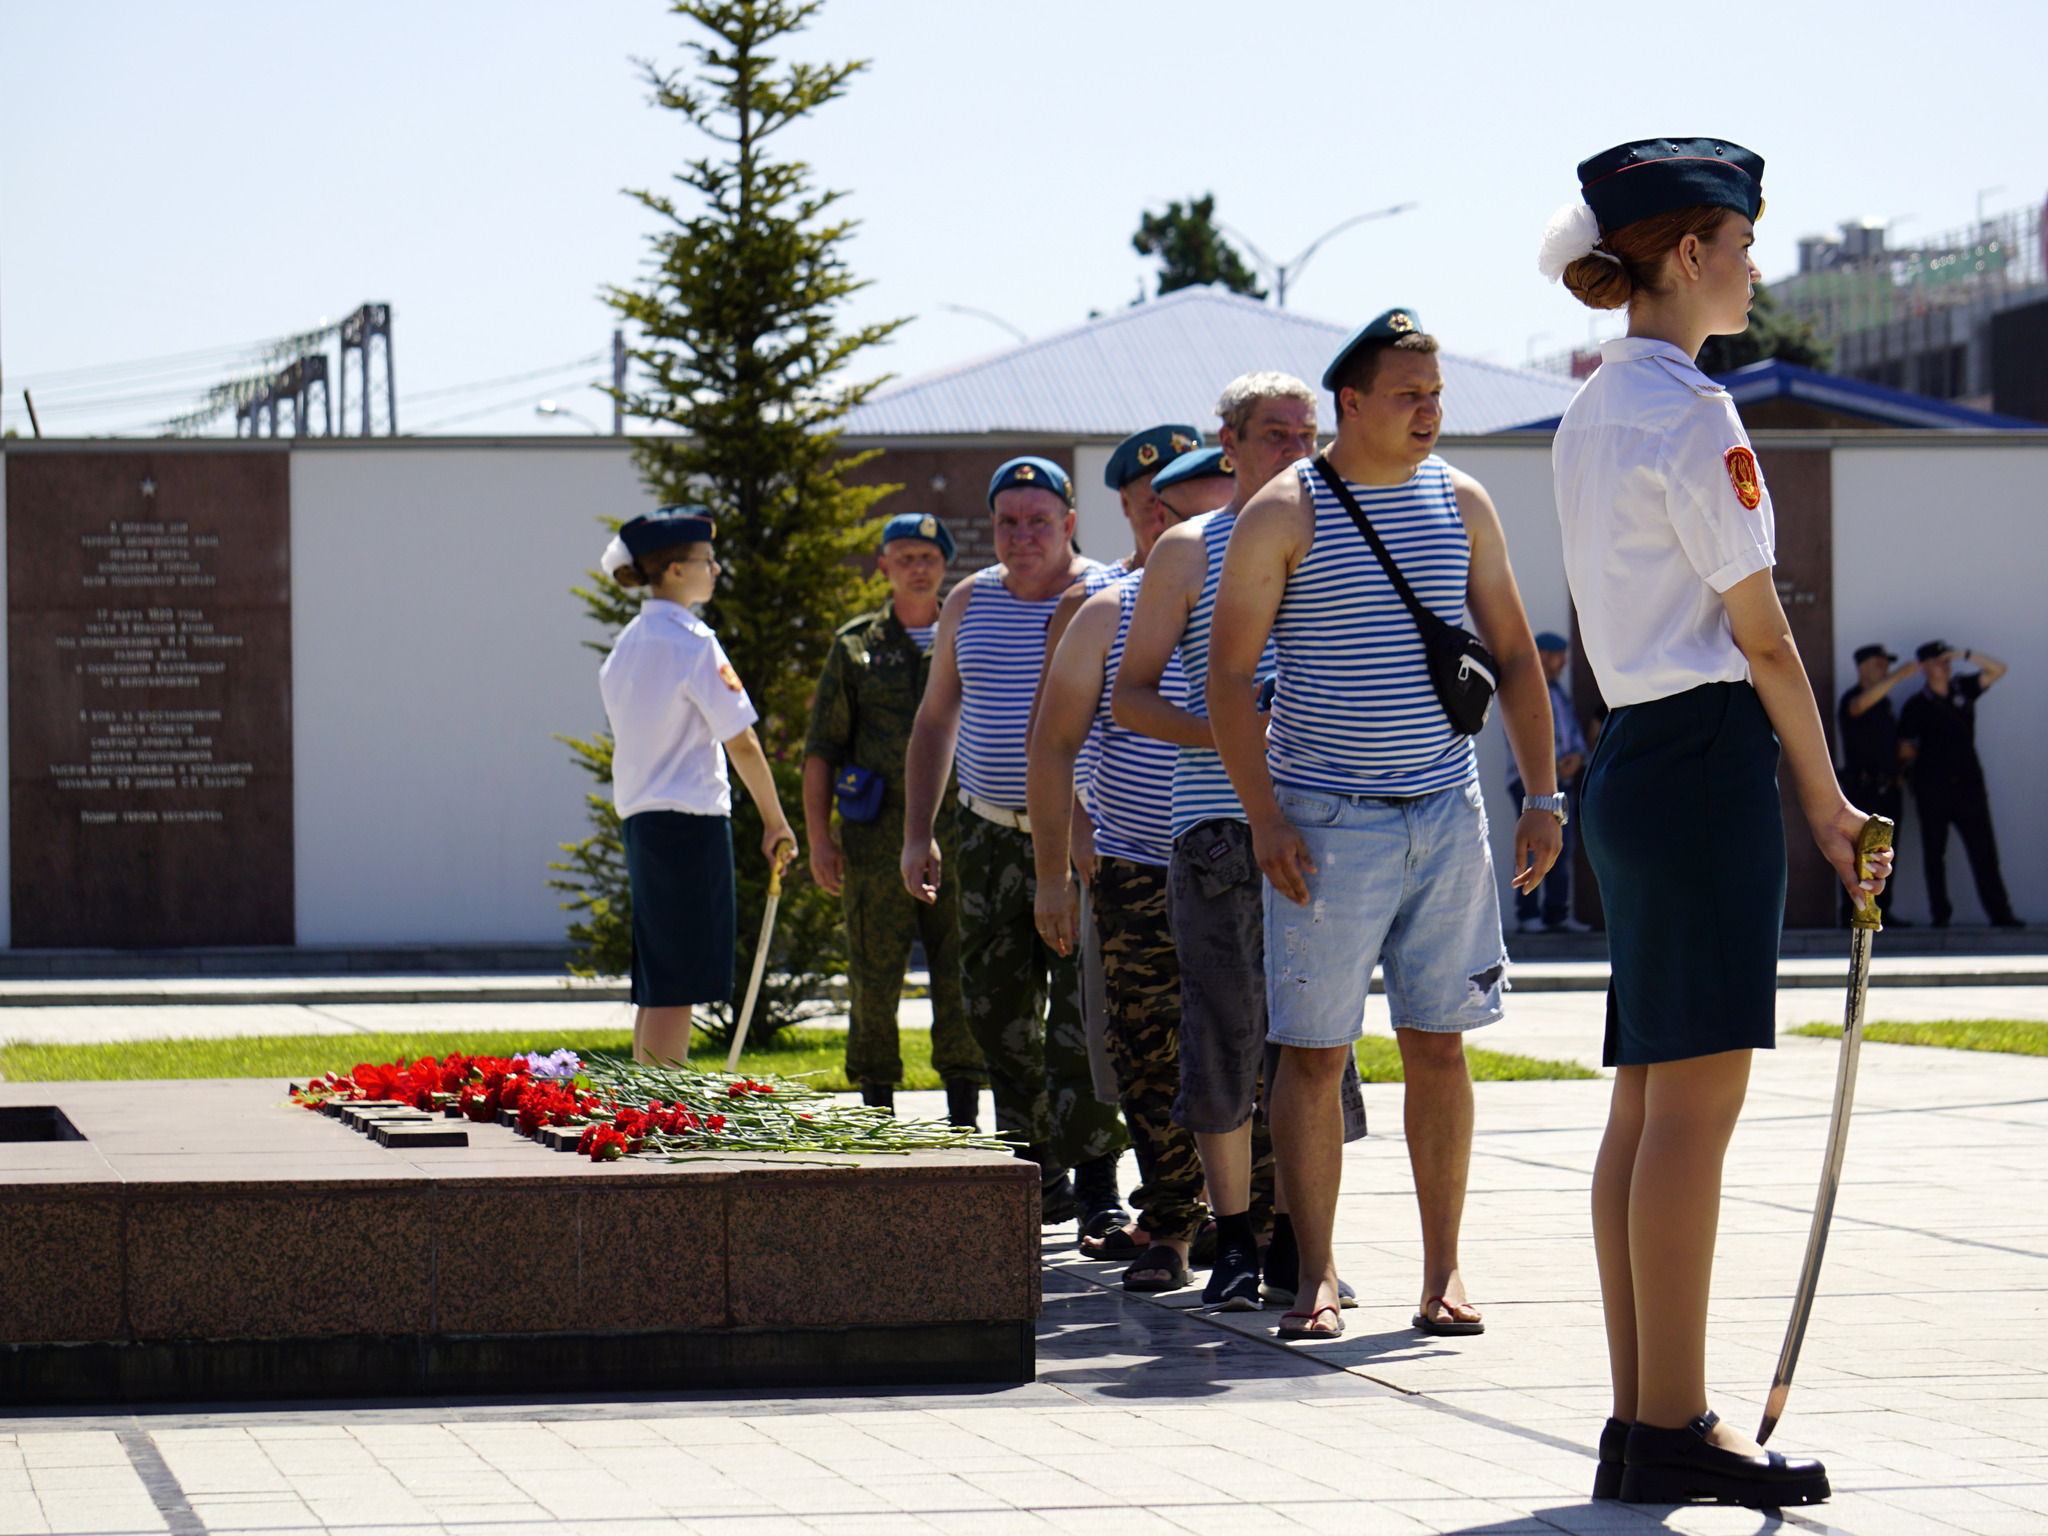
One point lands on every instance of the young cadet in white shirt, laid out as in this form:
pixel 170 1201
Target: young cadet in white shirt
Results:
pixel 1668 544
pixel 678 710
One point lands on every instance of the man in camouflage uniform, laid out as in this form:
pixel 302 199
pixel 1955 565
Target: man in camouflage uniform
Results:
pixel 861 718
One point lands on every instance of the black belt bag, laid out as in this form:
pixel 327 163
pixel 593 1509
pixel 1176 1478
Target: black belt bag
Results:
pixel 1462 670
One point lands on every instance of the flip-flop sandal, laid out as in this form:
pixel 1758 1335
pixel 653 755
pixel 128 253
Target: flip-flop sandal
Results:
pixel 1117 1248
pixel 1161 1268
pixel 1308 1329
pixel 1448 1326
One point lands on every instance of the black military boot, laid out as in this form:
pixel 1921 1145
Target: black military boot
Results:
pixel 963 1103
pixel 1056 1190
pixel 879 1096
pixel 1101 1211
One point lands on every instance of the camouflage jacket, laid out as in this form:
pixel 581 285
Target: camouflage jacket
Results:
pixel 867 699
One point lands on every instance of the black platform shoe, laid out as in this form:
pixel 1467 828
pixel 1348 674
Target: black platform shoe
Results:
pixel 1613 1447
pixel 1100 1210
pixel 1679 1466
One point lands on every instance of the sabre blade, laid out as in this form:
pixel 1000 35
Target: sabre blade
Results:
pixel 1876 835
pixel 739 1035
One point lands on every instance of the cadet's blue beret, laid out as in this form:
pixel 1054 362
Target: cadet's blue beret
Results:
pixel 1031 474
pixel 1392 325
pixel 1633 181
pixel 919 525
pixel 1143 452
pixel 664 528
pixel 1202 464
pixel 1551 640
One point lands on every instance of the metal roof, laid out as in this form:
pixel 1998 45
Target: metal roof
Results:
pixel 1168 360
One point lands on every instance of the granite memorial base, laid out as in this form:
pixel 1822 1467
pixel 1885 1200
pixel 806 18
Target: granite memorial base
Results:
pixel 211 1241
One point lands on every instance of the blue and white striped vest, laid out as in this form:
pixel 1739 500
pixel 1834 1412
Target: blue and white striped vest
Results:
pixel 1201 789
pixel 1356 714
pixel 999 651
pixel 1130 797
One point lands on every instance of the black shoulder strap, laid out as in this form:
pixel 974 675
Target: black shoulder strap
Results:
pixel 1425 620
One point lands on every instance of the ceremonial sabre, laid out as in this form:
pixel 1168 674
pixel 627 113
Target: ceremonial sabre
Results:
pixel 1863 923
pixel 739 1036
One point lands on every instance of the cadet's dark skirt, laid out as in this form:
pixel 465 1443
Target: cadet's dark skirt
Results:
pixel 684 908
pixel 1683 828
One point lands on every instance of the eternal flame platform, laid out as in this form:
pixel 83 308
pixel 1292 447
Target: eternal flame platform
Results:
pixel 211 1240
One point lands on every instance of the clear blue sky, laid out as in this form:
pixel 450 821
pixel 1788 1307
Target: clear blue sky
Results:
pixel 175 178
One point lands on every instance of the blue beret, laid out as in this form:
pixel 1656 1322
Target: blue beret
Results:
pixel 1551 640
pixel 1202 464
pixel 1031 474
pixel 1634 181
pixel 1143 452
pixel 919 525
pixel 1392 325
pixel 664 528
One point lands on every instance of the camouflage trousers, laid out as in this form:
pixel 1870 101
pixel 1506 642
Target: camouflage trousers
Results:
pixel 1142 977
pixel 882 921
pixel 1024 1003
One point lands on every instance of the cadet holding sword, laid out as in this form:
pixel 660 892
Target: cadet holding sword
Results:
pixel 1669 547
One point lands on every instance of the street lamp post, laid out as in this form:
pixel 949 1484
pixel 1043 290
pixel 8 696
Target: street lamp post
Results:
pixel 553 408
pixel 1286 272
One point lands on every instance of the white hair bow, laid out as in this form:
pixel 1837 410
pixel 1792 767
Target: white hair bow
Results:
pixel 615 557
pixel 1572 233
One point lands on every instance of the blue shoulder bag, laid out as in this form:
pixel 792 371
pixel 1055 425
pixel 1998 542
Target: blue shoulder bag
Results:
pixel 859 792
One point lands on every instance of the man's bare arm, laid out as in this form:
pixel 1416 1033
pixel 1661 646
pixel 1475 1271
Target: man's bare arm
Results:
pixel 928 760
pixel 1991 669
pixel 1166 596
pixel 1072 689
pixel 1495 604
pixel 827 868
pixel 1273 534
pixel 1062 615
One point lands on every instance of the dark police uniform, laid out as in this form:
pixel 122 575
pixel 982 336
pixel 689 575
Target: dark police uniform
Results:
pixel 862 713
pixel 1948 791
pixel 1872 777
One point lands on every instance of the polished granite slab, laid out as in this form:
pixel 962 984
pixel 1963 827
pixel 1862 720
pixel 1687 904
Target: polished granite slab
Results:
pixel 194 1225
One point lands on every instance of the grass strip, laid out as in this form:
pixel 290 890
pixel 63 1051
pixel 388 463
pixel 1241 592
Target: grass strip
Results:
pixel 794 1053
pixel 2018 1037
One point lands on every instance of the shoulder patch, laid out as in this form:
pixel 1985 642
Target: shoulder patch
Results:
pixel 1742 474
pixel 730 678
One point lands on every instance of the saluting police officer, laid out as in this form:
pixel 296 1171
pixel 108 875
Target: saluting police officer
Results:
pixel 861 717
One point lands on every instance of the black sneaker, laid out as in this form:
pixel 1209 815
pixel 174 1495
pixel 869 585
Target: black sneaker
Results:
pixel 1234 1282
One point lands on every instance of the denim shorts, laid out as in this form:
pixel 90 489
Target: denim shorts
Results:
pixel 1406 883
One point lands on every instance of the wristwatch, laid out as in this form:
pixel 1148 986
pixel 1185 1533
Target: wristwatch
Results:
pixel 1551 803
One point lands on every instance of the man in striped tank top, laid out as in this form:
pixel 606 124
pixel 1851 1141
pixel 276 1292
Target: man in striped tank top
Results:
pixel 1123 865
pixel 1364 801
pixel 1213 889
pixel 1023 999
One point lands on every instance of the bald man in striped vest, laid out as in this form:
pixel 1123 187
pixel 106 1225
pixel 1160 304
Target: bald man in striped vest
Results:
pixel 1023 998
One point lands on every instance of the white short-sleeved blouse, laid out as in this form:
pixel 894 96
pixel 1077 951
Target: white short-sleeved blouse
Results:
pixel 1663 509
pixel 673 701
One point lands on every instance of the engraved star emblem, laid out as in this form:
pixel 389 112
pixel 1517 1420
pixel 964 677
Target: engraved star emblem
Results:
pixel 148 486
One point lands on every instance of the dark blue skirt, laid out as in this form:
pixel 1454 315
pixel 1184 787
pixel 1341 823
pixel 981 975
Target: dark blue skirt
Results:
pixel 1683 828
pixel 685 913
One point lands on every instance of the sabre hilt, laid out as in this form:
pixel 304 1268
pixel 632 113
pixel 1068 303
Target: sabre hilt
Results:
pixel 1875 837
pixel 778 860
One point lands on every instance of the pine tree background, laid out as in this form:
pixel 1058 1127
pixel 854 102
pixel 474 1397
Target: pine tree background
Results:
pixel 1772 333
pixel 740 359
pixel 1192 250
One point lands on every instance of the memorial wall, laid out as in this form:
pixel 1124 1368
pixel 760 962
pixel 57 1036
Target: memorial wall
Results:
pixel 149 699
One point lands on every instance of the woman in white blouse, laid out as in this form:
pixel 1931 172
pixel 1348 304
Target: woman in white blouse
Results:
pixel 1668 541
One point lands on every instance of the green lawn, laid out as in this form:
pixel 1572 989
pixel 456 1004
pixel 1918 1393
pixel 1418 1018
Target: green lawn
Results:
pixel 2021 1037
pixel 796 1051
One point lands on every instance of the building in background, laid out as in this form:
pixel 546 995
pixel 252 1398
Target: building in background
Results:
pixel 1925 317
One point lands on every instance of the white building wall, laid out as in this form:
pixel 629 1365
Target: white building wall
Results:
pixel 1098 511
pixel 435 652
pixel 1516 475
pixel 1948 540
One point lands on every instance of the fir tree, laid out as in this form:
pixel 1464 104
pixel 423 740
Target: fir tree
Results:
pixel 741 357
pixel 1771 333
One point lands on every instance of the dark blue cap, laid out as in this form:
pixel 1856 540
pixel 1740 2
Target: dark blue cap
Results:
pixel 664 528
pixel 1651 176
pixel 1031 474
pixel 919 525
pixel 1143 452
pixel 1551 640
pixel 1202 464
pixel 1391 326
